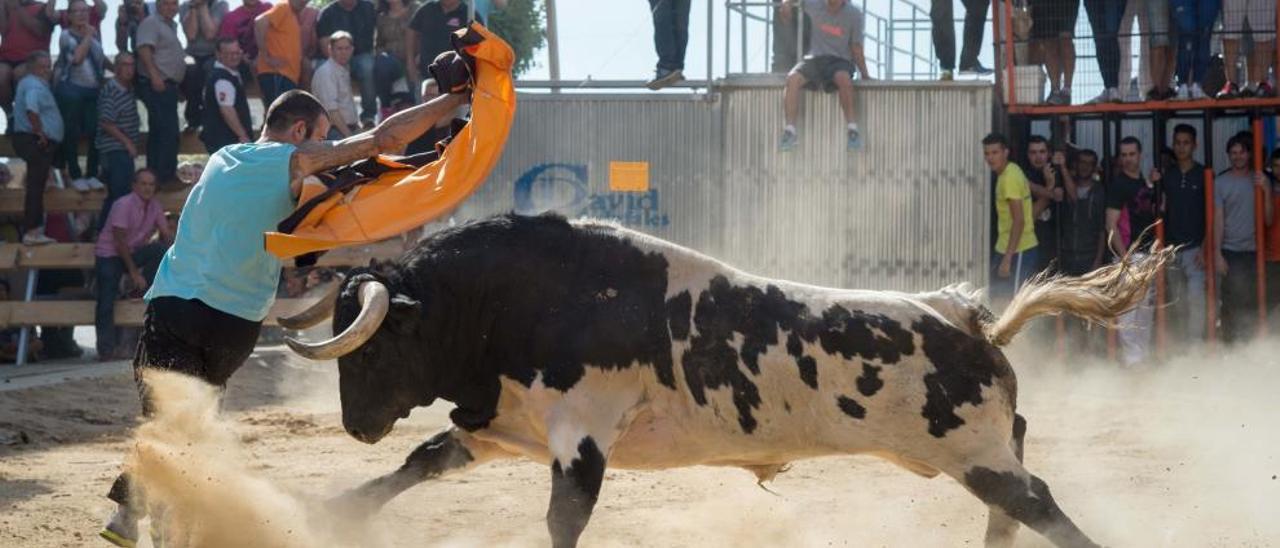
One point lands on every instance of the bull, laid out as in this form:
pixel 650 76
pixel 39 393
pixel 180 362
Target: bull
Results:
pixel 584 345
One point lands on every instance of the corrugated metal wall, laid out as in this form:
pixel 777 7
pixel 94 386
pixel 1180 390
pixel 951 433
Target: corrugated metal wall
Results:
pixel 908 211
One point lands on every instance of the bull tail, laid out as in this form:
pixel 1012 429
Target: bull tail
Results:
pixel 1099 296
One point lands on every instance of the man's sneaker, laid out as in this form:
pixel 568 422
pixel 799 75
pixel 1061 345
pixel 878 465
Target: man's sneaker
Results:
pixel 1247 92
pixel 121 530
pixel 1182 93
pixel 1133 96
pixel 1229 91
pixel 947 76
pixel 1197 93
pixel 81 185
pixel 977 69
pixel 36 238
pixel 1109 95
pixel 788 141
pixel 94 183
pixel 663 78
pixel 1265 90
pixel 854 139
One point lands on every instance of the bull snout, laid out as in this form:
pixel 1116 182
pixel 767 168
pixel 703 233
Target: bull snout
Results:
pixel 369 436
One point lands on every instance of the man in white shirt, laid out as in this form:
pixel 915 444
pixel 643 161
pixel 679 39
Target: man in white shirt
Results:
pixel 331 85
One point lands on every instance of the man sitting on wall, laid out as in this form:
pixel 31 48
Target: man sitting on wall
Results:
pixel 835 49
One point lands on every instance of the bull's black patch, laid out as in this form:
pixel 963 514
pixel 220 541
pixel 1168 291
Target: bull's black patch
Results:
pixel 869 382
pixel 963 365
pixel 574 490
pixel 679 308
pixel 851 407
pixel 1027 500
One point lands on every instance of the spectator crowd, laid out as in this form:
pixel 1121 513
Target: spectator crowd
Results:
pixel 74 118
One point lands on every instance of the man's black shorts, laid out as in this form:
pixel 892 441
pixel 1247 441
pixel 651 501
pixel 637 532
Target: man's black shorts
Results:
pixel 1054 18
pixel 819 72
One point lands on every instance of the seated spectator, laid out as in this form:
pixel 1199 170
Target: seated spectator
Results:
pixel 670 40
pixel 1195 22
pixel 162 69
pixel 279 39
pixel 359 19
pixel 77 77
pixel 25 28
pixel 331 85
pixel 1235 238
pixel 836 50
pixel 1052 30
pixel 200 22
pixel 1131 211
pixel 118 135
pixel 1014 258
pixel 125 246
pixel 226 113
pixel 390 43
pixel 131 15
pixel 1183 201
pixel 238 25
pixel 430 32
pixel 1260 16
pixel 97 12
pixel 9 337
pixel 37 130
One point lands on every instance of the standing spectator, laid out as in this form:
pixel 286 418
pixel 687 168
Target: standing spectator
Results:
pixel 1131 210
pixel 97 12
pixel 279 41
pixel 332 87
pixel 200 22
pixel 162 69
pixel 1104 18
pixel 238 25
pixel 670 39
pixel 837 49
pixel 430 31
pixel 37 129
pixel 77 76
pixel 1260 15
pixel 391 45
pixel 941 13
pixel 1194 20
pixel 1014 258
pixel 359 19
pixel 1235 238
pixel 132 13
pixel 1082 242
pixel 1052 30
pixel 1273 248
pixel 785 51
pixel 125 247
pixel 312 57
pixel 1182 185
pixel 25 28
pixel 1046 181
pixel 118 135
pixel 1155 60
pixel 226 111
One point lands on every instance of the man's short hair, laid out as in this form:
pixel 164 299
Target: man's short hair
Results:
pixel 36 56
pixel 1087 152
pixel 1037 139
pixel 994 138
pixel 294 106
pixel 1244 139
pixel 140 171
pixel 1131 140
pixel 342 35
pixel 224 41
pixel 1186 129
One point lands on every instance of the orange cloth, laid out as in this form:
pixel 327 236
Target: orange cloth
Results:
pixel 284 41
pixel 402 200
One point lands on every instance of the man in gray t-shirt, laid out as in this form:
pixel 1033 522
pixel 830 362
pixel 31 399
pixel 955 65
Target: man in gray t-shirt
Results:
pixel 1235 236
pixel 835 51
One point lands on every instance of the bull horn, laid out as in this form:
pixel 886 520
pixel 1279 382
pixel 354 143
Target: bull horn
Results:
pixel 319 311
pixel 374 302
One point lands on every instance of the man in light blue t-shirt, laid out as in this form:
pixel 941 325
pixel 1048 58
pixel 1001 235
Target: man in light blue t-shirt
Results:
pixel 217 282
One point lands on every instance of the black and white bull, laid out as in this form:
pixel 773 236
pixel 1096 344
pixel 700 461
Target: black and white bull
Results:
pixel 584 345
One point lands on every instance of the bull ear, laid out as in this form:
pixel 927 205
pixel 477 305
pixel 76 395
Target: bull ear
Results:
pixel 405 314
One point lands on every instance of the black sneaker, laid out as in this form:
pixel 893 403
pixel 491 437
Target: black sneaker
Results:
pixel 663 78
pixel 976 69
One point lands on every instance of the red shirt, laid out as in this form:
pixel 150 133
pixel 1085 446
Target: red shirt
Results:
pixel 17 41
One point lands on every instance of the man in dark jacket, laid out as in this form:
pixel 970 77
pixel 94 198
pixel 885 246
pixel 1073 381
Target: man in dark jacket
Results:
pixel 226 113
pixel 1081 242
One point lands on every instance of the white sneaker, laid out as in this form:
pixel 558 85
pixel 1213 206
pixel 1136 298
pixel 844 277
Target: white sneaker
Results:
pixel 94 183
pixel 81 185
pixel 1197 93
pixel 1103 97
pixel 1133 96
pixel 1183 93
pixel 1114 96
pixel 36 237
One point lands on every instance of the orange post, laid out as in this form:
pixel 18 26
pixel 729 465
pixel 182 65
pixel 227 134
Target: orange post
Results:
pixel 1210 267
pixel 1260 231
pixel 1008 52
pixel 1160 296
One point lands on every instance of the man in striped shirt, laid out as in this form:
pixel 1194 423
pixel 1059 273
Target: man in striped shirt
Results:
pixel 118 136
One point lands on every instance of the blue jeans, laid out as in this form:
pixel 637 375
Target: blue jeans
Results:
pixel 1021 269
pixel 1104 18
pixel 362 71
pixel 670 32
pixel 108 271
pixel 117 176
pixel 1194 20
pixel 79 108
pixel 387 69
pixel 273 85
pixel 162 122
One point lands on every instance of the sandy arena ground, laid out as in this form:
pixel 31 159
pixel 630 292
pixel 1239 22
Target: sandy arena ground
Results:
pixel 1184 455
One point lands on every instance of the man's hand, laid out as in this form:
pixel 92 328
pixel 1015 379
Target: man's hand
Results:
pixel 1260 181
pixel 139 283
pixel 1006 267
pixel 1156 176
pixel 131 149
pixel 1050 178
pixel 1220 263
pixel 1058 194
pixel 157 84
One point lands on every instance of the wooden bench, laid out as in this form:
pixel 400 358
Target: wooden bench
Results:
pixel 68 200
pixel 188 143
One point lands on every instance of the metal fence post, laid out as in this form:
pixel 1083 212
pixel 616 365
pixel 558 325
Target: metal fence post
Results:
pixel 24 335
